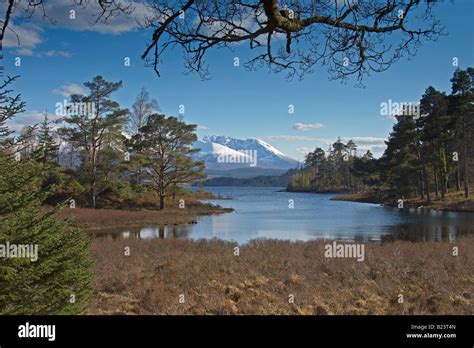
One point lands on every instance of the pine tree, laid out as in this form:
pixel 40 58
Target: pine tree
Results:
pixel 93 120
pixel 47 149
pixel 58 281
pixel 10 105
pixel 433 123
pixel 463 98
pixel 400 163
pixel 167 144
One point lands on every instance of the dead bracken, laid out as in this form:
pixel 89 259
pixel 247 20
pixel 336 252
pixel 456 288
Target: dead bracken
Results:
pixel 215 281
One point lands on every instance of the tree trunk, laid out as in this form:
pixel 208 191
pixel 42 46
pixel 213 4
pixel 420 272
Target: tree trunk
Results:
pixel 422 183
pixel 139 174
pixel 465 159
pixel 427 185
pixel 466 172
pixel 444 169
pixel 92 196
pixel 441 178
pixel 162 201
pixel 435 172
pixel 93 191
pixel 458 178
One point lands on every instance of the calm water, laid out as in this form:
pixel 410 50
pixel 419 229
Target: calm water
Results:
pixel 265 213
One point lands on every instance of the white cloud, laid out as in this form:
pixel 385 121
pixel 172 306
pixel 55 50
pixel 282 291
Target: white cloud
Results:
pixel 365 140
pixel 28 118
pixel 59 12
pixel 304 150
pixel 357 140
pixel 26 38
pixel 23 38
pixel 373 144
pixel 55 53
pixel 293 138
pixel 200 127
pixel 24 51
pixel 372 148
pixel 307 126
pixel 67 90
pixel 376 145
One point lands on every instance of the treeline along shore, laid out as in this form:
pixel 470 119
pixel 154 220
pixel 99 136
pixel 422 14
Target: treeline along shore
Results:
pixel 94 167
pixel 427 161
pixel 116 168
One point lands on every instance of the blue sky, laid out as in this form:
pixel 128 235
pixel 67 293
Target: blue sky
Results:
pixel 235 102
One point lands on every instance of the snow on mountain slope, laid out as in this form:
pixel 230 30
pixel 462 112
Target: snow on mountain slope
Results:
pixel 219 152
pixel 216 149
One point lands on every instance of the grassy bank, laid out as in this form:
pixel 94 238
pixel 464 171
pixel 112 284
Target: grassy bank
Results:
pixel 98 219
pixel 260 280
pixel 143 210
pixel 453 201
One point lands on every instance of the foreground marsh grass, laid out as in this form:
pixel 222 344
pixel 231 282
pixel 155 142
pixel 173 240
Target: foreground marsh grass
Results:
pixel 260 280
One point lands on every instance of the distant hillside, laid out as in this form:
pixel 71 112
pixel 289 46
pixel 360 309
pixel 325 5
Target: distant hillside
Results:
pixel 257 181
pixel 244 172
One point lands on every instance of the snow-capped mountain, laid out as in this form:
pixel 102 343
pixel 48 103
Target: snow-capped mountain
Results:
pixel 225 153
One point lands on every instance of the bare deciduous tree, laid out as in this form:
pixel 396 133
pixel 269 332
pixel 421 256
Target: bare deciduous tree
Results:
pixel 351 37
pixel 143 107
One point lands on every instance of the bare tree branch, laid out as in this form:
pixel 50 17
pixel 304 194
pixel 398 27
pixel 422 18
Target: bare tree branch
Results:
pixel 350 36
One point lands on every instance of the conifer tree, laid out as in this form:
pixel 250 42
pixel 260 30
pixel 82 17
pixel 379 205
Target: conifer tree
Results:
pixel 92 121
pixel 58 282
pixel 167 144
pixel 47 149
pixel 53 276
pixel 463 97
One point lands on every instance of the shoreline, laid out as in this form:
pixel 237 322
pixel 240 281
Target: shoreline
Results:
pixel 96 220
pixel 453 202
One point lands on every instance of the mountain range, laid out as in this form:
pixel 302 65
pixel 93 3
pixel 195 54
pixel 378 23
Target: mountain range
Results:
pixel 228 157
pixel 226 153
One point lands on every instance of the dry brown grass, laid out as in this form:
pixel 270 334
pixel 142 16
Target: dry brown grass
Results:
pixel 260 280
pixel 92 219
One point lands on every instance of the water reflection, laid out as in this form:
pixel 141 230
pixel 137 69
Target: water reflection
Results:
pixel 422 233
pixel 149 232
pixel 264 213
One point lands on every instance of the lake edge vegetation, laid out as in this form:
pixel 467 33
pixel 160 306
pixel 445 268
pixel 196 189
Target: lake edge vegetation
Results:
pixel 428 159
pixel 39 189
pixel 275 277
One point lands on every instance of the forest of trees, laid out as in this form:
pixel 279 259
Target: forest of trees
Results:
pixel 99 154
pixel 427 155
pixel 331 172
pixel 255 181
pixel 102 155
pixel 108 157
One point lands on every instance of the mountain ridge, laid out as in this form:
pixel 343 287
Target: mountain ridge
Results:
pixel 227 153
